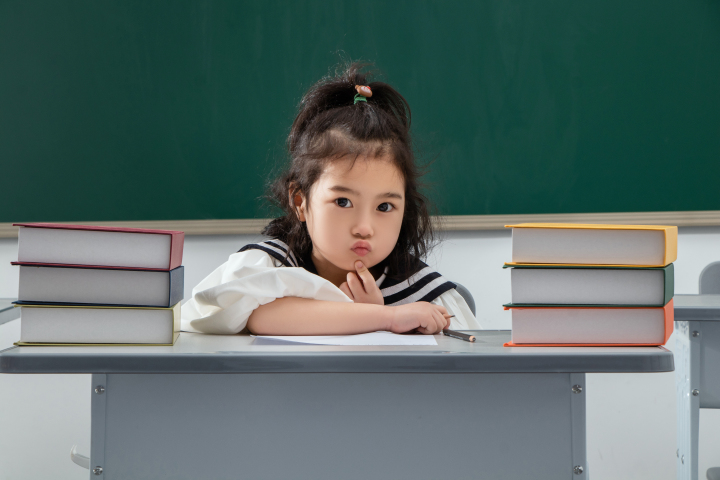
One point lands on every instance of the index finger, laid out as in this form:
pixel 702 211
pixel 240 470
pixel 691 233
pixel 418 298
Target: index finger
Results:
pixel 365 275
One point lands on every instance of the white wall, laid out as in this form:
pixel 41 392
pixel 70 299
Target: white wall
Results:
pixel 630 417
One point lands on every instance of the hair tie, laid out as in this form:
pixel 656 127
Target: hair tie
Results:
pixel 363 92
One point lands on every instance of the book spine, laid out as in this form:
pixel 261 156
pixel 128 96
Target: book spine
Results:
pixel 177 285
pixel 669 283
pixel 671 240
pixel 176 322
pixel 176 250
pixel 669 320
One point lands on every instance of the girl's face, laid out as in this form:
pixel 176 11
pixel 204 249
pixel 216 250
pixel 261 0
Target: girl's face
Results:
pixel 354 214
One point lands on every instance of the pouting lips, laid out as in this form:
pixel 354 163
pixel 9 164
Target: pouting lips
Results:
pixel 361 248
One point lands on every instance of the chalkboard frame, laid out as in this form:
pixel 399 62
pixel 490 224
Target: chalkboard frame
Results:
pixel 700 218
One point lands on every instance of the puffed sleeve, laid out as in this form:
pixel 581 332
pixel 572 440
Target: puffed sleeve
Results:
pixel 224 300
pixel 455 304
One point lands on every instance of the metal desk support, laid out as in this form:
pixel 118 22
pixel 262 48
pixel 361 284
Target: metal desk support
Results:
pixel 697 377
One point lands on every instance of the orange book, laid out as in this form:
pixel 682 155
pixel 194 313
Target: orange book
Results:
pixel 586 244
pixel 543 326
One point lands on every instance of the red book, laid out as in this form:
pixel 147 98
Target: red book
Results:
pixel 86 245
pixel 543 326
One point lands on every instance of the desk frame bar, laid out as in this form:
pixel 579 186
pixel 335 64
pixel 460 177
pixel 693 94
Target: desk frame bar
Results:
pixel 579 425
pixel 97 423
pixel 687 378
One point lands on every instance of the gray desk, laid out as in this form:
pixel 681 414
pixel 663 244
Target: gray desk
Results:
pixel 220 407
pixel 697 377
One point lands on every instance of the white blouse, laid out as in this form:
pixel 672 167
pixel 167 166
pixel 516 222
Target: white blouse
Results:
pixel 224 300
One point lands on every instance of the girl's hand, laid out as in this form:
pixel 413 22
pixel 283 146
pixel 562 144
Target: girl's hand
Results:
pixel 428 318
pixel 361 288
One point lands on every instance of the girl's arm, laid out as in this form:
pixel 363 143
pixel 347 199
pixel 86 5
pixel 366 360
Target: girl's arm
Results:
pixel 305 316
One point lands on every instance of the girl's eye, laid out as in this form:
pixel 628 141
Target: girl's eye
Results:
pixel 385 207
pixel 343 202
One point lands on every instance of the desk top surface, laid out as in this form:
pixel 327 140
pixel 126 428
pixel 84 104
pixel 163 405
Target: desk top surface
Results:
pixel 697 308
pixel 197 353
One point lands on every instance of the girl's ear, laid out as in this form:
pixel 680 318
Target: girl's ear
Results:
pixel 297 200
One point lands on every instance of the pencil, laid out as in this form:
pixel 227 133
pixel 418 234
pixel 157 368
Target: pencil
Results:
pixel 458 335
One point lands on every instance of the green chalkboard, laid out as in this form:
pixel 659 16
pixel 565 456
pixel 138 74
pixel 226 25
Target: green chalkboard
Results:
pixel 178 110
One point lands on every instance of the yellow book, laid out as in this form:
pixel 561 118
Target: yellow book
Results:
pixel 55 325
pixel 588 244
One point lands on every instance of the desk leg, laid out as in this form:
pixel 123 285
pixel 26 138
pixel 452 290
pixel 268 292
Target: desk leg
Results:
pixel 687 379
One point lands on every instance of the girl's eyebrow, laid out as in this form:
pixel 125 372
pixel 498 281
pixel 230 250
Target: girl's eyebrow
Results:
pixel 341 189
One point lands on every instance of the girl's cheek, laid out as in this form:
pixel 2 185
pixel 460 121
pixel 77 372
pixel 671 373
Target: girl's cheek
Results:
pixel 333 218
pixel 334 214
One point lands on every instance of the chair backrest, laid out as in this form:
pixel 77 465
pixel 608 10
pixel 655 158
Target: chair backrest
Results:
pixel 467 296
pixel 710 279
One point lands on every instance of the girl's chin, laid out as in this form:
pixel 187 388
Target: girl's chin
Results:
pixel 350 265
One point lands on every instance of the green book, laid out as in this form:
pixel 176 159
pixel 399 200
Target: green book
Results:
pixel 591 286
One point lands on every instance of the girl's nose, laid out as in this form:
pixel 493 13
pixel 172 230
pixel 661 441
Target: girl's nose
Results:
pixel 363 227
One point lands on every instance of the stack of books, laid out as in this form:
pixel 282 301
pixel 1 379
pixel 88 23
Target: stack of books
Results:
pixel 575 284
pixel 82 285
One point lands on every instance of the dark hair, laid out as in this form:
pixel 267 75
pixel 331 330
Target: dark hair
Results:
pixel 330 126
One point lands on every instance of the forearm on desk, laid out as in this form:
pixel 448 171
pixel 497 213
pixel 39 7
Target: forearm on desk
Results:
pixel 305 316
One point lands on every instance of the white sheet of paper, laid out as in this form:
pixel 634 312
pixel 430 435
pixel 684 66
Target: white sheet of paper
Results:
pixel 374 338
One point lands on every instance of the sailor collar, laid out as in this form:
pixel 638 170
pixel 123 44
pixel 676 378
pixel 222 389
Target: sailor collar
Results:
pixel 422 285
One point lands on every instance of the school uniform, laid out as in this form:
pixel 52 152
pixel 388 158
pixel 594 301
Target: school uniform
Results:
pixel 262 272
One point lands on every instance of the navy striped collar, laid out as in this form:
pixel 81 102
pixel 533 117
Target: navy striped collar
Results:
pixel 276 249
pixel 422 285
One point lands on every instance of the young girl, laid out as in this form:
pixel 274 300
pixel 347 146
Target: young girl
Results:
pixel 345 257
